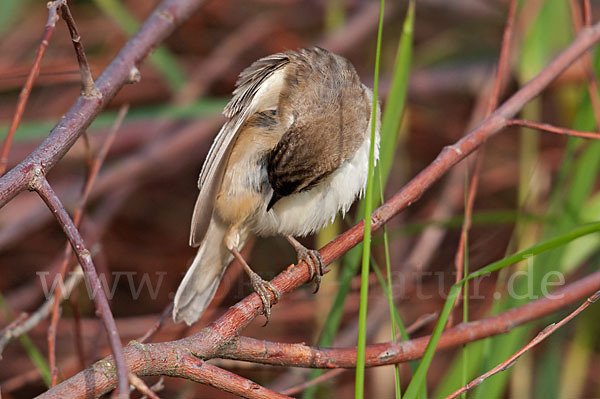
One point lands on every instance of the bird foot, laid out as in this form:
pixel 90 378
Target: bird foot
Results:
pixel 262 288
pixel 314 261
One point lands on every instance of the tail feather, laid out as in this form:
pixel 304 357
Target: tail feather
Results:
pixel 203 276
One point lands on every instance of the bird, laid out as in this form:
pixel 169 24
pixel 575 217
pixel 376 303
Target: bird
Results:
pixel 292 155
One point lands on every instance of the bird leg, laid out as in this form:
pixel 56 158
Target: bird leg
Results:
pixel 313 259
pixel 260 286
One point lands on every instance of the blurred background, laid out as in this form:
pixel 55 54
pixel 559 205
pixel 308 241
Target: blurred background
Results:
pixel 533 186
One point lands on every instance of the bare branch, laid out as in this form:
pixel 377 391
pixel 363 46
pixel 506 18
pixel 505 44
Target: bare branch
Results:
pixel 96 163
pixel 141 386
pixel 553 129
pixel 165 18
pixel 42 187
pixel 545 333
pixel 200 371
pixel 9 334
pixel 166 358
pixel 87 81
pixel 26 90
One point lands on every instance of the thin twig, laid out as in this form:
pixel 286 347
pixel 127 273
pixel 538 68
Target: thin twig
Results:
pixel 315 381
pixel 416 325
pixel 166 313
pixel 26 90
pixel 422 321
pixel 41 313
pixel 592 81
pixel 157 387
pixel 141 386
pixel 502 72
pixel 166 17
pixel 77 331
pixel 553 129
pixel 43 188
pixel 200 371
pixel 545 333
pixel 503 69
pixel 88 90
pixel 94 168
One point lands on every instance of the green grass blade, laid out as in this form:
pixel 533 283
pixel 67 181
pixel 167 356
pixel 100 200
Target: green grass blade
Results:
pixel 392 116
pixel 37 359
pixel 394 316
pixel 390 126
pixel 537 249
pixel 164 61
pixel 359 388
pixel 419 377
pixel 550 31
pixel 396 100
pixel 465 349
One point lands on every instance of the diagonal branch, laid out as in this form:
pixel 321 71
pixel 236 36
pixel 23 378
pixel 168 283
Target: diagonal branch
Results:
pixel 545 333
pixel 198 370
pixel 165 18
pixel 42 187
pixel 77 216
pixel 169 358
pixel 239 316
pixel 545 127
pixel 300 355
pixel 212 340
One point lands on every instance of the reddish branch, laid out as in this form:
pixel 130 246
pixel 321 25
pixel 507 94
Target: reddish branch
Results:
pixel 545 333
pixel 174 358
pixel 198 370
pixel 299 355
pixel 553 129
pixel 33 73
pixel 416 325
pixel 169 358
pixel 502 72
pixel 213 340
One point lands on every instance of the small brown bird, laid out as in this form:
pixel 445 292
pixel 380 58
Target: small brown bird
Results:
pixel 292 154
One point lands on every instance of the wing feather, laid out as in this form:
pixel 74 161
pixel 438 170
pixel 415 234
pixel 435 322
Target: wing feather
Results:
pixel 257 89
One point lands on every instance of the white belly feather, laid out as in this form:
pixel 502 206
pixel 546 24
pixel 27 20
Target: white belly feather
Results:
pixel 309 211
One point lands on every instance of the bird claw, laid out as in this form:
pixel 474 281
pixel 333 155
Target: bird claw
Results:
pixel 262 288
pixel 314 261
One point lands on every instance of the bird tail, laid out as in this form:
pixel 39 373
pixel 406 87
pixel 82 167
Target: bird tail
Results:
pixel 202 278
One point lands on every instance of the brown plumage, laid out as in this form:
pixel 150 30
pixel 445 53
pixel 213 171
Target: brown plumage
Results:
pixel 290 156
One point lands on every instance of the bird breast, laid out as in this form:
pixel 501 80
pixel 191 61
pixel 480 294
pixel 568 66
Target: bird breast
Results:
pixel 308 211
pixel 245 190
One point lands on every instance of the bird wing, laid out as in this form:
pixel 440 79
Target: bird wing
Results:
pixel 332 110
pixel 257 89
